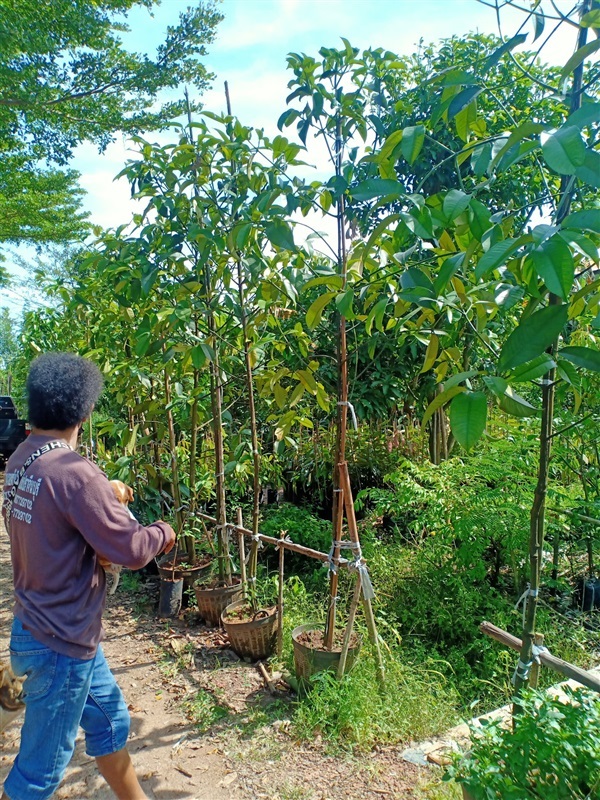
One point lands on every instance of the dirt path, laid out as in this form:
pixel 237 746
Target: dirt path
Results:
pixel 235 750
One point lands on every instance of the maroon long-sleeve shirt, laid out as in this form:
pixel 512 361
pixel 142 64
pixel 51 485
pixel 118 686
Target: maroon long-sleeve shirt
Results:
pixel 64 517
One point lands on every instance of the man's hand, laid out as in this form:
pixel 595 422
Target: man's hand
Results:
pixel 171 541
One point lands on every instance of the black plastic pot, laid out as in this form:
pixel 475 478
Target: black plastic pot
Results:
pixel 591 594
pixel 171 593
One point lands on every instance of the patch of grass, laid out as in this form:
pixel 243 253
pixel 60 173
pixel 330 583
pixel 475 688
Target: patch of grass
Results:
pixel 435 789
pixel 130 581
pixel 204 711
pixel 293 792
pixel 355 714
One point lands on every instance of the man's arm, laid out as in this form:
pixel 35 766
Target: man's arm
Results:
pixel 110 530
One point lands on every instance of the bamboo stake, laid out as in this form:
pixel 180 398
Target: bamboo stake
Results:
pixel 348 633
pixel 242 546
pixel 537 519
pixel 280 596
pixel 175 488
pixel 216 399
pixel 548 660
pixel 342 406
pixel 353 532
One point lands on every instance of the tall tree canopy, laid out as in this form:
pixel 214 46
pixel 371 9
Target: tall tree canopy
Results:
pixel 66 76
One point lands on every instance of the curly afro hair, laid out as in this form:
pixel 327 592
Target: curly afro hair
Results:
pixel 62 389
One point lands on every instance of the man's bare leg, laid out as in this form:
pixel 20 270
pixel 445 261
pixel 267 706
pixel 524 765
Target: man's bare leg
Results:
pixel 117 770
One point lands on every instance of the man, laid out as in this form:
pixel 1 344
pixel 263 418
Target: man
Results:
pixel 62 519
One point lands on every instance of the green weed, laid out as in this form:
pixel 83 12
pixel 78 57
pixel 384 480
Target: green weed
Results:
pixel 204 711
pixel 356 713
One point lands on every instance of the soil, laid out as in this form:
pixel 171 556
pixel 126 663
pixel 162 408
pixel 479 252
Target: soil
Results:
pixel 167 670
pixel 184 566
pixel 246 614
pixel 314 640
pixel 217 584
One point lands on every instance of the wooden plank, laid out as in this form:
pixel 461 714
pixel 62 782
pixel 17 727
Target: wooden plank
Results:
pixel 548 660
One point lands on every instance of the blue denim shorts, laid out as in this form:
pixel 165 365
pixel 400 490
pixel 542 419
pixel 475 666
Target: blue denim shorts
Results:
pixel 61 694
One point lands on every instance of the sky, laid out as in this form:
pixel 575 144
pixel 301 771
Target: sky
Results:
pixel 250 54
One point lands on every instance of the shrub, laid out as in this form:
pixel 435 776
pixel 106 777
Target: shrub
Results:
pixel 553 752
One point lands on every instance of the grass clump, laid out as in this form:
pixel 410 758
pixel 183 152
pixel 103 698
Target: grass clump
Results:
pixel 355 714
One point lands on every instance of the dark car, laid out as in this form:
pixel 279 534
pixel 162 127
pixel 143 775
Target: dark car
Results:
pixel 12 429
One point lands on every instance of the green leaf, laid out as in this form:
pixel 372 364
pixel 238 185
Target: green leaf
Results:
pixel 493 59
pixel 463 121
pixel 454 380
pixel 495 256
pixel 142 344
pixel 376 315
pixel 587 220
pixel 412 142
pixel 468 415
pixel 583 357
pixel 280 394
pixel 332 281
pixel 567 372
pixel 507 295
pixel 280 234
pixel 315 311
pixel 533 369
pixel 564 150
pixel 539 22
pixel 515 405
pixel 590 171
pixel 532 336
pixel 431 354
pixel 591 19
pixel 495 384
pixel 147 282
pixel 296 395
pixel 481 158
pixel 344 303
pixel 447 270
pixel 553 262
pixel 198 356
pixel 377 187
pixel 580 242
pixel 463 99
pixel 578 57
pixel 479 218
pixel 439 401
pixel 584 116
pixel 524 130
pixel 455 202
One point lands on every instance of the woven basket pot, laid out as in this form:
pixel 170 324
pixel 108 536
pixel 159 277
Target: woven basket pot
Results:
pixel 308 661
pixel 251 638
pixel 212 601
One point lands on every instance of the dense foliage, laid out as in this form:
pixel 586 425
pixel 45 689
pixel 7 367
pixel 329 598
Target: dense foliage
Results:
pixel 66 77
